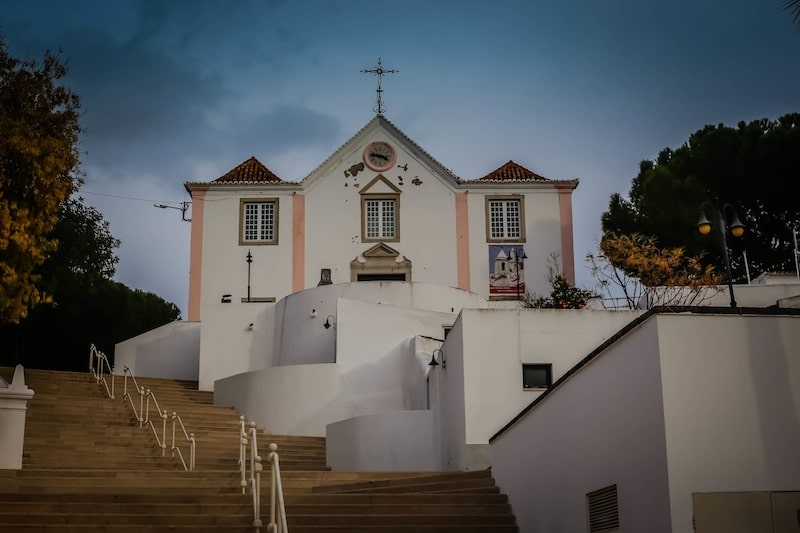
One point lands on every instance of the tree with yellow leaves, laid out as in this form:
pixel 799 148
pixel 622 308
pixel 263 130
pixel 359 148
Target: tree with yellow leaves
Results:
pixel 39 160
pixel 634 267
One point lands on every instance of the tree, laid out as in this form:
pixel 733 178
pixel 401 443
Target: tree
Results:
pixel 793 7
pixel 751 167
pixel 87 306
pixel 39 162
pixel 634 266
pixel 85 253
pixel 563 295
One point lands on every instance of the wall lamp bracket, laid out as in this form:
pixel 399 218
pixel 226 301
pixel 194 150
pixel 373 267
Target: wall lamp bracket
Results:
pixel 434 363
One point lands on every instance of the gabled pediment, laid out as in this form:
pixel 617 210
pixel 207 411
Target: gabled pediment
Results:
pixel 380 250
pixel 380 185
pixel 379 128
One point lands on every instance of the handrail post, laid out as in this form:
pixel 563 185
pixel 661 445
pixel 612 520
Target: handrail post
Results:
pixel 272 491
pixel 164 433
pixel 192 452
pixel 147 409
pixel 141 407
pixel 92 349
pixel 174 416
pixel 242 453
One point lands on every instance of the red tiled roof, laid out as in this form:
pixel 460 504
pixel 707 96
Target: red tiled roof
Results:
pixel 251 171
pixel 512 172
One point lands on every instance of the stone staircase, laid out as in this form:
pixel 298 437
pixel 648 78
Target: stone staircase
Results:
pixel 87 466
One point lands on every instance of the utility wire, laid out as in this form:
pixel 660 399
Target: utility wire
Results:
pixel 126 197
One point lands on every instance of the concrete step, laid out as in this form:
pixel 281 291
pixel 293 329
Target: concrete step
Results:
pixel 88 467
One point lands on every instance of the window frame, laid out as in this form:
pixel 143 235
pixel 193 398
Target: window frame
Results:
pixel 275 221
pixel 365 199
pixel 505 199
pixel 548 367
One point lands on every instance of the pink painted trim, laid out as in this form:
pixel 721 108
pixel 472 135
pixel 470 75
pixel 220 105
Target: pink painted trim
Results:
pixel 567 247
pixel 298 242
pixel 196 254
pixel 462 240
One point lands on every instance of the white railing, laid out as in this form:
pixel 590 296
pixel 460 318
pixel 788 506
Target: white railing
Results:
pixel 276 492
pixel 189 439
pixel 248 435
pixel 98 364
pixel 142 414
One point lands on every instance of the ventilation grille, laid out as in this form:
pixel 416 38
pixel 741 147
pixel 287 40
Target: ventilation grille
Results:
pixel 603 510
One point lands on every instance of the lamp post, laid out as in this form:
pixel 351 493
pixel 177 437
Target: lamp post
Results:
pixel 726 221
pixel 249 259
pixel 518 260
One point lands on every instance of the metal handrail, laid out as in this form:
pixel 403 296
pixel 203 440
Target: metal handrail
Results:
pixel 98 373
pixel 162 442
pixel 255 478
pixel 255 470
pixel 276 492
pixel 189 439
pixel 277 506
pixel 138 414
pixel 143 417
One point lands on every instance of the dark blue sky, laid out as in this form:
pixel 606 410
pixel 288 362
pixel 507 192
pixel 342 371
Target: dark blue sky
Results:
pixel 178 90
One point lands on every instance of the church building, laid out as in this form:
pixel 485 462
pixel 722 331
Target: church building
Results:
pixel 379 208
pixel 376 302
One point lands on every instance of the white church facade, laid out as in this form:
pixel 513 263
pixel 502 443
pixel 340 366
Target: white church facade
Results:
pixel 316 301
pixel 375 303
pixel 379 209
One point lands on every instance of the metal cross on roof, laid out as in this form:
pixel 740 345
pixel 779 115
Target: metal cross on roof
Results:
pixel 380 71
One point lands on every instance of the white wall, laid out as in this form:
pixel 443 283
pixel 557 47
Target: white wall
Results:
pixel 170 351
pixel 604 426
pixel 416 389
pixel 731 405
pixel 542 232
pixel 755 295
pixel 287 400
pixel 447 401
pixel 228 345
pixel 375 354
pixel 374 344
pixel 389 441
pixel 224 265
pixel 427 215
pixel 497 342
pixel 301 338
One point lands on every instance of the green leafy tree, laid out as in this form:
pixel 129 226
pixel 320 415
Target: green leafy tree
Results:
pixel 39 161
pixel 753 167
pixel 88 306
pixel 793 7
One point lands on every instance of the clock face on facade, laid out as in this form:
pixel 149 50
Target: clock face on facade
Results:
pixel 380 156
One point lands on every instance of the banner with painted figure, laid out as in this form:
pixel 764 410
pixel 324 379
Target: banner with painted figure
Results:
pixel 506 269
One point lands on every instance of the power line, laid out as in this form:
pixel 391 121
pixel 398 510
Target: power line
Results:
pixel 126 197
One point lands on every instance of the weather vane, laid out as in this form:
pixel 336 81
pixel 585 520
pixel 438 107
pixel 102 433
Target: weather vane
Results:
pixel 380 71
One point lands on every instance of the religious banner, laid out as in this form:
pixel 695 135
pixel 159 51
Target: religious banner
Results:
pixel 506 269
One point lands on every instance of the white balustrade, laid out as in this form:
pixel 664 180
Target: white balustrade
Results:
pixel 98 364
pixel 248 436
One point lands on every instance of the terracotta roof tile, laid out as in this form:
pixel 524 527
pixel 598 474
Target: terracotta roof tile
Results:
pixel 512 172
pixel 251 171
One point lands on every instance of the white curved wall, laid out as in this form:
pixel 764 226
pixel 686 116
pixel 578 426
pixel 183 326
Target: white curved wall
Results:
pixel 288 400
pixel 170 351
pixel 392 441
pixel 300 337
